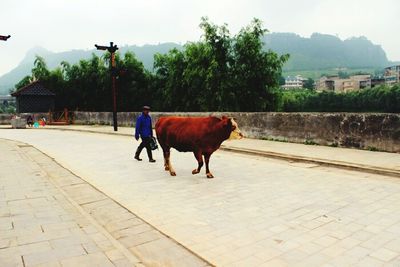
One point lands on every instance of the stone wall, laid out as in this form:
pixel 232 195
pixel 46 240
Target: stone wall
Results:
pixel 355 130
pixel 5 119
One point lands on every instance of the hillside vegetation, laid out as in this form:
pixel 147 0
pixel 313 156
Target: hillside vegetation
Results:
pixel 221 72
pixel 324 52
pixel 310 57
pixel 378 99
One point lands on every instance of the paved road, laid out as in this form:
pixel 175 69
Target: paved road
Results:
pixel 41 226
pixel 377 162
pixel 256 212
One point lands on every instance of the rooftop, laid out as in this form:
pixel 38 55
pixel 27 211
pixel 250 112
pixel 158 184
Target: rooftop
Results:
pixel 34 88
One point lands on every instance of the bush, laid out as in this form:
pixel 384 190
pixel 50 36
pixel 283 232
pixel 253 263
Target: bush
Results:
pixel 379 99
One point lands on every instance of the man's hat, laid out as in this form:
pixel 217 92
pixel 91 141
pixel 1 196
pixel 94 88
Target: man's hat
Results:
pixel 146 108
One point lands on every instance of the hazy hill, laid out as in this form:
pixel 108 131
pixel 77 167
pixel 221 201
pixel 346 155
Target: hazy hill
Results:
pixel 144 53
pixel 319 52
pixel 322 51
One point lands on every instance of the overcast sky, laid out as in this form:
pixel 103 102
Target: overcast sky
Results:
pixel 60 25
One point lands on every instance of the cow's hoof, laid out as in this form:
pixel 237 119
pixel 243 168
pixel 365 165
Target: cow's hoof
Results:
pixel 195 171
pixel 210 176
pixel 173 173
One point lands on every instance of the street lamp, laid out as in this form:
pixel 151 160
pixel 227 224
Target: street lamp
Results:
pixel 112 48
pixel 4 38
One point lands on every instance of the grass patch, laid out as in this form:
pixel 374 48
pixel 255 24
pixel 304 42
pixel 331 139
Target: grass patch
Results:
pixel 310 142
pixel 283 140
pixel 372 148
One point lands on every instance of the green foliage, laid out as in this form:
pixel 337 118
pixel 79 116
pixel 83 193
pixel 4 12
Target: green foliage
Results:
pixel 87 84
pixel 221 72
pixel 310 142
pixel 25 81
pixel 283 140
pixel 40 71
pixel 8 108
pixel 343 75
pixel 378 99
pixel 309 84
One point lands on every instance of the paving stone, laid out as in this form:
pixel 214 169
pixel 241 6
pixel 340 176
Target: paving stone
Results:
pixel 384 254
pixel 333 216
pixel 325 241
pixel 369 262
pixel 37 235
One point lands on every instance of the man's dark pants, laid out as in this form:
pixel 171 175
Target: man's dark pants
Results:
pixel 144 144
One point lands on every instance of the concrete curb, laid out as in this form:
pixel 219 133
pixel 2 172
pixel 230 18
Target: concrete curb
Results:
pixel 281 156
pixel 322 162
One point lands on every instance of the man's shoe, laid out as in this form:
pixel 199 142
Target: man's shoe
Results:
pixel 137 158
pixel 152 160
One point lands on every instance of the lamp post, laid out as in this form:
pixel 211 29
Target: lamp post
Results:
pixel 4 38
pixel 112 48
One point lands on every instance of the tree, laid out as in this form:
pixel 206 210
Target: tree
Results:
pixel 169 69
pixel 40 71
pixel 220 72
pixel 218 44
pixel 133 80
pixel 22 83
pixel 378 99
pixel 309 84
pixel 256 72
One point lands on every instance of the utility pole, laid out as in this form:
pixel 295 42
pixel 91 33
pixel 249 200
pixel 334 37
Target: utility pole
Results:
pixel 4 38
pixel 112 48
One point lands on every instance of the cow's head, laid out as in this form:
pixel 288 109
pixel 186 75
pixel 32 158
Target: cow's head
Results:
pixel 235 131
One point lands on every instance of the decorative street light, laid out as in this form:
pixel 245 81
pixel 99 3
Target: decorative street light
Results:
pixel 112 48
pixel 4 38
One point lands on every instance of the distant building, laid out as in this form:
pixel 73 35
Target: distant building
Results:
pixel 392 75
pixel 327 83
pixel 34 98
pixel 338 85
pixel 296 82
pixel 357 82
pixel 6 99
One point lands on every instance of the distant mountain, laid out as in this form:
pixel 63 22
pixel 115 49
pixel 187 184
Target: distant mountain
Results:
pixel 323 51
pixel 318 52
pixel 144 53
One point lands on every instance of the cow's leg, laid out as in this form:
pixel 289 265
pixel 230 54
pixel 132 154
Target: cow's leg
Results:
pixel 166 156
pixel 171 170
pixel 167 162
pixel 207 159
pixel 199 157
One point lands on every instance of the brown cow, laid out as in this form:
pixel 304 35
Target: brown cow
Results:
pixel 200 135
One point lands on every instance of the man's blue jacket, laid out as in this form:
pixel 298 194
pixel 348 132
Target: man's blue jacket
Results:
pixel 143 127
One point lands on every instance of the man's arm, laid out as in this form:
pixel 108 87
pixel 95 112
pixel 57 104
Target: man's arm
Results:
pixel 151 128
pixel 137 128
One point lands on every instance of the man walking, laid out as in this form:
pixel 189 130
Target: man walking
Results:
pixel 144 130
